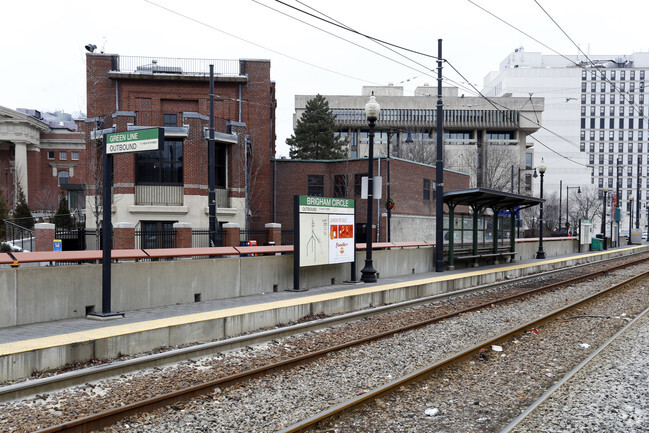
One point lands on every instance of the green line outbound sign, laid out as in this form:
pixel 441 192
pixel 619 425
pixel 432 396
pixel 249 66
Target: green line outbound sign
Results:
pixel 140 140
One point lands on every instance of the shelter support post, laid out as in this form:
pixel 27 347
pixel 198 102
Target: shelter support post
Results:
pixel 451 237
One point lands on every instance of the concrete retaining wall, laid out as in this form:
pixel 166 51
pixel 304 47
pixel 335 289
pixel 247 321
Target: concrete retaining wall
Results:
pixel 40 294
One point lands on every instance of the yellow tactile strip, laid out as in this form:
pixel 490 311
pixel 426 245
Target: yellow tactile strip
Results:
pixel 150 325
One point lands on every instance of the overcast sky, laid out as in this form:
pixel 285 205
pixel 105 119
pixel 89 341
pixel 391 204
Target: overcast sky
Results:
pixel 43 56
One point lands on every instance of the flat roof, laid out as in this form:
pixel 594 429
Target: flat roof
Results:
pixel 488 198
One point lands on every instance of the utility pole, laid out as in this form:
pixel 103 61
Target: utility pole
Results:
pixel 439 169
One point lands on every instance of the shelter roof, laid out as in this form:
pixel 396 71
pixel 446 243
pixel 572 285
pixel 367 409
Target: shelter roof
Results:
pixel 488 198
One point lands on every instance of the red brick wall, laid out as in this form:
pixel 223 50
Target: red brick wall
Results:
pixel 254 106
pixel 406 185
pixel 124 237
pixel 44 237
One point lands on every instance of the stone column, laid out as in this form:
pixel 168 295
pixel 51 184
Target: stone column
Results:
pixel 183 235
pixel 124 236
pixel 44 237
pixel 231 234
pixel 274 232
pixel 20 170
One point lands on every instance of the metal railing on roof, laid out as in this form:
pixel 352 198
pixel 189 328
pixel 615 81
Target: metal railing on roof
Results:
pixel 168 65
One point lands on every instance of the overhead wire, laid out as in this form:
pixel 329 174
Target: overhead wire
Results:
pixel 473 88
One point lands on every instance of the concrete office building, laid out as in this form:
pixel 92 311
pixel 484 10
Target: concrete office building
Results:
pixel 594 124
pixel 482 139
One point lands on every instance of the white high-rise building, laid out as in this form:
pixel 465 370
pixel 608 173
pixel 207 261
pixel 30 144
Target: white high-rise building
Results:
pixel 594 129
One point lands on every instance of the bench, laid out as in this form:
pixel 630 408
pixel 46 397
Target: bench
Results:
pixel 486 254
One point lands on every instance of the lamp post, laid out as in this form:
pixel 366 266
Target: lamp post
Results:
pixel 630 218
pixel 604 191
pixel 372 110
pixel 540 254
pixel 567 201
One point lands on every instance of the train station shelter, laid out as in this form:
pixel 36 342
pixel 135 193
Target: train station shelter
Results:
pixel 479 200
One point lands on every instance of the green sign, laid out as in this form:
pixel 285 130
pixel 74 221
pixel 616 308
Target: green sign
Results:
pixel 134 141
pixel 311 204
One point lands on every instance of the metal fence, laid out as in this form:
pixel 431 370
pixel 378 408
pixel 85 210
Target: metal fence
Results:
pixel 169 65
pixel 18 236
pixel 201 238
pixel 152 239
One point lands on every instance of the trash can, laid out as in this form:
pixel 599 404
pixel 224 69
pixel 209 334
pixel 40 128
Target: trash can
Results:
pixel 597 244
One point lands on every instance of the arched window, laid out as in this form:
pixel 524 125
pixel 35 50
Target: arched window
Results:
pixel 64 178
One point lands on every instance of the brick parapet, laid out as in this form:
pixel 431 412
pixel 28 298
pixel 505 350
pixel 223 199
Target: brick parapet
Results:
pixel 124 236
pixel 231 234
pixel 183 235
pixel 44 236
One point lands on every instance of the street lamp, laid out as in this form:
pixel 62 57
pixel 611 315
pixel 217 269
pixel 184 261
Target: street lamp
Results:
pixel 567 207
pixel 630 218
pixel 372 110
pixel 604 191
pixel 540 254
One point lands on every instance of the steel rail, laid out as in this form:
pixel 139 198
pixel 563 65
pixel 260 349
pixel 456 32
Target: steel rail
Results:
pixel 110 416
pixel 527 412
pixel 97 372
pixel 427 371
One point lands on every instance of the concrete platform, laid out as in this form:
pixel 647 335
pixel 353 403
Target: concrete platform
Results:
pixel 49 345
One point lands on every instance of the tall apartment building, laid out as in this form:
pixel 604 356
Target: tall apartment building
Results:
pixel 487 141
pixel 155 189
pixel 594 128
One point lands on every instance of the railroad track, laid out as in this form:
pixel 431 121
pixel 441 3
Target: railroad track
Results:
pixel 592 362
pixel 323 420
pixel 109 369
pixel 108 417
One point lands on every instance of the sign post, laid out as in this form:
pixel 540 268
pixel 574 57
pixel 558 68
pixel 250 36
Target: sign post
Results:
pixel 324 232
pixel 118 142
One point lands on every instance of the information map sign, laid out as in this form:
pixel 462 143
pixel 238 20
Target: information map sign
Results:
pixel 326 230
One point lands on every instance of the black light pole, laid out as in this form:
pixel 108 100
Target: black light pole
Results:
pixel 560 192
pixel 540 254
pixel 604 191
pixel 372 110
pixel 211 170
pixel 439 168
pixel 630 219
pixel 567 207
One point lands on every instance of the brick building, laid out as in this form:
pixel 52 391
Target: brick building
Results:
pixel 411 188
pixel 155 189
pixel 45 154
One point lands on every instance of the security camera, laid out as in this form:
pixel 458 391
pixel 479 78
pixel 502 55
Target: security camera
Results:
pixel 91 48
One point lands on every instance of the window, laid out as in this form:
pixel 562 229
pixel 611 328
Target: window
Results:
pixel 63 156
pixel 631 75
pixel 612 75
pixel 64 177
pixel 170 120
pixel 630 160
pixel 156 234
pixel 426 189
pixel 220 166
pixel 528 182
pixel 528 160
pixel 358 183
pixel 340 185
pixel 500 138
pixel 602 88
pixel 315 185
pixel 622 75
pixel 160 166
pixel 74 156
pixel 50 154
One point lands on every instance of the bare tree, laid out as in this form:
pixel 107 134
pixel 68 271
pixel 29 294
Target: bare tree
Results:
pixel 489 165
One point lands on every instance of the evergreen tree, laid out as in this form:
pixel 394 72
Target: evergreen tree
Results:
pixel 22 214
pixel 315 133
pixel 63 219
